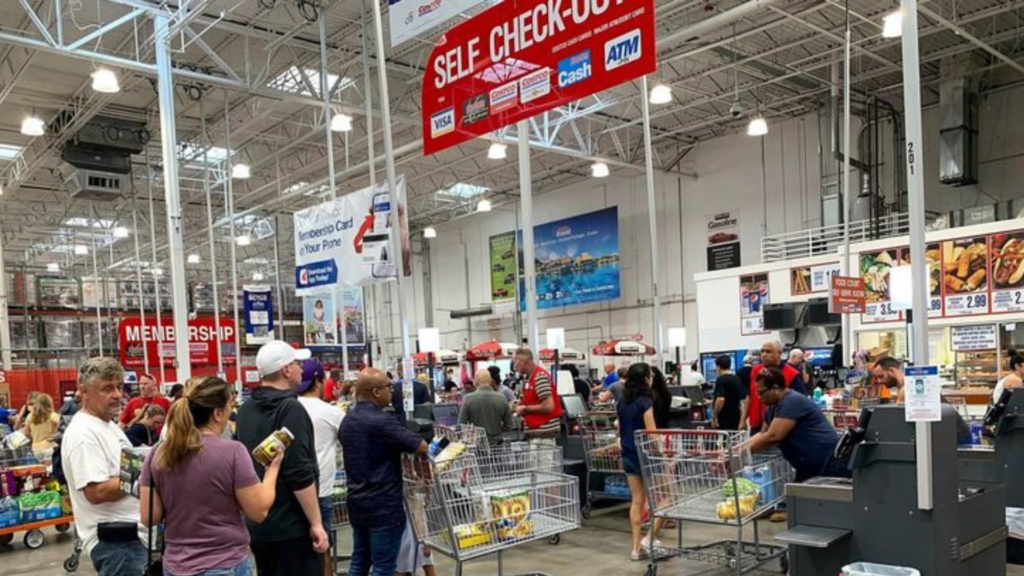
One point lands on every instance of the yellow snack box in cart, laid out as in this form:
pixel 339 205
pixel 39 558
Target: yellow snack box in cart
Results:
pixel 511 513
pixel 267 450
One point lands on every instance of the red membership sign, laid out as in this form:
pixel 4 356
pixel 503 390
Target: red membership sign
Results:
pixel 158 341
pixel 521 57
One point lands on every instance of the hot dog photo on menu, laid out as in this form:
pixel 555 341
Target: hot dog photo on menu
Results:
pixel 1007 260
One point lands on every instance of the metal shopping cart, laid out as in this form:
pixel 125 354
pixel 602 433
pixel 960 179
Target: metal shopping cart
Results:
pixel 605 477
pixel 477 505
pixel 474 437
pixel 339 517
pixel 703 476
pixel 23 468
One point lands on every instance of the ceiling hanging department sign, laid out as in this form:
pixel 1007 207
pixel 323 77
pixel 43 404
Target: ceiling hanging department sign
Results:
pixel 521 57
pixel 408 19
pixel 158 339
pixel 259 314
pixel 723 240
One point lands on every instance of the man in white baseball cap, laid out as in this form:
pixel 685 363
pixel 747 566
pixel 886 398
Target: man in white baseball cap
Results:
pixel 292 539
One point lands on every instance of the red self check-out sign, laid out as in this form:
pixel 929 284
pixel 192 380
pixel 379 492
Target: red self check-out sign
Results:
pixel 521 57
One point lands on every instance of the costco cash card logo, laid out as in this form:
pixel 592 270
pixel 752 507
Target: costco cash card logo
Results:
pixel 504 97
pixel 622 50
pixel 573 69
pixel 442 122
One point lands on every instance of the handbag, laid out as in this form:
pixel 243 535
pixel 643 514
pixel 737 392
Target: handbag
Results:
pixel 154 566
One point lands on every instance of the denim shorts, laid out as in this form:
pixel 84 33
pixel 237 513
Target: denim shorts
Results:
pixel 326 513
pixel 117 558
pixel 242 569
pixel 631 464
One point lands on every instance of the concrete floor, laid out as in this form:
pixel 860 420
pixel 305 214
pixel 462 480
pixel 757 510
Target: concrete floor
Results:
pixel 600 548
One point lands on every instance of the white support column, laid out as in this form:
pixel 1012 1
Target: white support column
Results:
pixel 156 280
pixel 371 163
pixel 847 266
pixel 529 264
pixel 5 319
pixel 138 271
pixel 919 268
pixel 229 192
pixel 100 292
pixel 172 200
pixel 652 222
pixel 213 245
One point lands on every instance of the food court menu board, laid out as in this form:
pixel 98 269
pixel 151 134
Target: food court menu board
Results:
pixel 874 269
pixel 965 276
pixel 933 256
pixel 1007 255
pixel 753 297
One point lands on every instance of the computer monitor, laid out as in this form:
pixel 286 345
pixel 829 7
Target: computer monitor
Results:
pixel 422 411
pixel 694 393
pixel 446 415
pixel 574 405
pixel 677 391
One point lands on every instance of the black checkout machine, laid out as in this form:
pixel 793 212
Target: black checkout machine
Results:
pixel 875 516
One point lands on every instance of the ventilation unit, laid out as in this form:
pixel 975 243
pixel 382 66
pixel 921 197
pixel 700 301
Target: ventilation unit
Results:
pixel 88 184
pixel 958 129
pixel 97 160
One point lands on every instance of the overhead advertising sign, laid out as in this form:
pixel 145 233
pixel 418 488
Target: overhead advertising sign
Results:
pixel 408 19
pixel 753 297
pixel 521 57
pixel 874 270
pixel 503 267
pixel 847 295
pixel 1007 250
pixel 971 338
pixel 348 241
pixel 577 260
pixel 319 322
pixel 723 240
pixel 965 276
pixel 259 314
pixel 133 335
pixel 352 311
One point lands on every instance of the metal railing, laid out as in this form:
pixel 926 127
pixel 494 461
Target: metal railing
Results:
pixel 828 239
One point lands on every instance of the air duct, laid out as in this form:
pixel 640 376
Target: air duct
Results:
pixel 958 122
pixel 471 312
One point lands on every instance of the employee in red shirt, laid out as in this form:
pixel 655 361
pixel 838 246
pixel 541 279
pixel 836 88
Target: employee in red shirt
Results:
pixel 539 407
pixel 148 395
pixel 771 357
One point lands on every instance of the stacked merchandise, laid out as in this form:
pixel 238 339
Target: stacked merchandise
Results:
pixel 57 292
pixel 29 498
pixel 62 333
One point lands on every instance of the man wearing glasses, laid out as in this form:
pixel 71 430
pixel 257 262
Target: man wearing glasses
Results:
pixel 292 538
pixel 373 442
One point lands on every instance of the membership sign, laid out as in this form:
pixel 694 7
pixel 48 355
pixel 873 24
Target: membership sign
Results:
pixel 521 57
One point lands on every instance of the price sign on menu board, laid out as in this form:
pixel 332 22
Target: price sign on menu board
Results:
pixel 1007 253
pixel 965 276
pixel 933 256
pixel 810 279
pixel 970 338
pixel 874 269
pixel 753 297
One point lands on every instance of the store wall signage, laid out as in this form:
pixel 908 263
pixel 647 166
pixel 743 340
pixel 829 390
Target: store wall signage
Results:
pixel 577 260
pixel 933 257
pixel 723 240
pixel 528 56
pixel 874 270
pixel 322 315
pixel 503 267
pixel 810 279
pixel 133 335
pixel 753 297
pixel 971 338
pixel 923 400
pixel 1007 254
pixel 847 295
pixel 259 314
pixel 347 241
pixel 965 276
pixel 408 19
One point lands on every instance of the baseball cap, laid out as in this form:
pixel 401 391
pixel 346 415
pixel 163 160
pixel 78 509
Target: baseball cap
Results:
pixel 312 370
pixel 277 354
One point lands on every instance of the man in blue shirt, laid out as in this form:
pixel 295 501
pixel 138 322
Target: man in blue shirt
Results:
pixel 373 442
pixel 797 427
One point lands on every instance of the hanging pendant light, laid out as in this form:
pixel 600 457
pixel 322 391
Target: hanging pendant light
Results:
pixel 599 170
pixel 758 126
pixel 33 126
pixel 104 80
pixel 240 171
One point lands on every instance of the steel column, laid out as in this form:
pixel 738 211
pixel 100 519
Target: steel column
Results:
pixel 847 336
pixel 213 246
pixel 156 279
pixel 5 319
pixel 229 192
pixel 652 221
pixel 529 264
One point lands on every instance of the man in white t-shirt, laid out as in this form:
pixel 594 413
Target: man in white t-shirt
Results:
pixel 107 519
pixel 326 424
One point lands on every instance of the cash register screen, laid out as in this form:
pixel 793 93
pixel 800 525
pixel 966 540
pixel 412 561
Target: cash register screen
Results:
pixel 574 405
pixel 446 415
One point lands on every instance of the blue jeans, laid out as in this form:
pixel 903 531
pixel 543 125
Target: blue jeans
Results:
pixel 377 547
pixel 118 558
pixel 242 569
pixel 326 516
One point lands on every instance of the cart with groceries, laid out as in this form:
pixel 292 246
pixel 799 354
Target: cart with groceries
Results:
pixel 705 476
pixel 467 505
pixel 30 499
pixel 606 478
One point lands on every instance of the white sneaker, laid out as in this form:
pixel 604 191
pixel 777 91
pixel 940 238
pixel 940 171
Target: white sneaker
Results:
pixel 639 555
pixel 646 543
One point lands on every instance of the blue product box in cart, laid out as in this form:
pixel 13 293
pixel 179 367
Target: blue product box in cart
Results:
pixel 762 476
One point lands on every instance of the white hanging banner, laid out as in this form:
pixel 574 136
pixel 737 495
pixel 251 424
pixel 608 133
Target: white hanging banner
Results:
pixel 410 18
pixel 347 241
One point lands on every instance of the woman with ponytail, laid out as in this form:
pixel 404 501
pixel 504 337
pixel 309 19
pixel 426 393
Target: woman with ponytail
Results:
pixel 145 429
pixel 203 484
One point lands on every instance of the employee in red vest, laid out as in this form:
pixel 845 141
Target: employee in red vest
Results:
pixel 150 394
pixel 771 357
pixel 539 407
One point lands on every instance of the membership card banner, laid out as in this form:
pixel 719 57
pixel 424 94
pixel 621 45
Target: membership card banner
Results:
pixel 521 57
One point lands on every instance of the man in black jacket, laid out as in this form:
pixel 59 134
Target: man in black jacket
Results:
pixel 292 539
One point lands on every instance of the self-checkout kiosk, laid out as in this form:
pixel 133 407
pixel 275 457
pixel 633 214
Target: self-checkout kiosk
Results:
pixel 874 517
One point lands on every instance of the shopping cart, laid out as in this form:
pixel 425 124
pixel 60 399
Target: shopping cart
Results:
pixel 477 505
pixel 339 517
pixel 474 437
pixel 703 476
pixel 603 456
pixel 21 464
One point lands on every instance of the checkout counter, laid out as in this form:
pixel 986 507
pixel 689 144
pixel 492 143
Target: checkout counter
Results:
pixel 874 517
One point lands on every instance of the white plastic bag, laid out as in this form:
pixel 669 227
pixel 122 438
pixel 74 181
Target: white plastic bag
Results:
pixel 869 569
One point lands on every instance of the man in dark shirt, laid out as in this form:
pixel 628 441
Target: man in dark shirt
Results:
pixel 487 409
pixel 730 397
pixel 373 442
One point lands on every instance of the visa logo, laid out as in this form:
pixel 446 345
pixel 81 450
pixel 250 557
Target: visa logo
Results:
pixel 442 122
pixel 622 50
pixel 575 68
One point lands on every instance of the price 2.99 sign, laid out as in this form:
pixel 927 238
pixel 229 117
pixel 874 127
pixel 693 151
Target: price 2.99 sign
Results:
pixel 522 57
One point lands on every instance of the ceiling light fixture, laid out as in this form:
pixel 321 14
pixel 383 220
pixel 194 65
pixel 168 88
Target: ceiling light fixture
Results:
pixel 758 126
pixel 661 94
pixel 341 123
pixel 240 171
pixel 483 206
pixel 257 276
pixel 497 151
pixel 243 240
pixel 53 267
pixel 157 271
pixel 599 170
pixel 81 250
pixel 104 80
pixel 33 126
pixel 892 24
pixel 120 232
pixel 194 259
pixel 429 232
